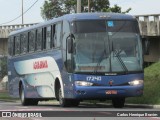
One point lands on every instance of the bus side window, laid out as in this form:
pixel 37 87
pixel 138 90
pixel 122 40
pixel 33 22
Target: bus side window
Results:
pixel 53 43
pixel 39 39
pixel 17 45
pixel 24 43
pixel 31 36
pixel 57 35
pixel 44 37
pixel 11 46
pixel 48 37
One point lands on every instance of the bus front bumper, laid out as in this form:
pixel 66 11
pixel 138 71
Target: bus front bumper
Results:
pixel 97 92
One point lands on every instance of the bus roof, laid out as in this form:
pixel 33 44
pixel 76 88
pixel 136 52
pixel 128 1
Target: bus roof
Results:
pixel 79 16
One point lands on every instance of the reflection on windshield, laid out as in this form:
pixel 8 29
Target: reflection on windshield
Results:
pixel 106 52
pixel 93 54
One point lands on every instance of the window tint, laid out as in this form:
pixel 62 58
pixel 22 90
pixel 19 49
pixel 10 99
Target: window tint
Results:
pixel 31 41
pixel 17 45
pixel 39 39
pixel 89 26
pixel 24 43
pixel 11 46
pixel 48 37
pixel 53 36
pixel 57 35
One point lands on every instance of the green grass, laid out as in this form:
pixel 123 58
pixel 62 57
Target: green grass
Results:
pixel 5 96
pixel 151 86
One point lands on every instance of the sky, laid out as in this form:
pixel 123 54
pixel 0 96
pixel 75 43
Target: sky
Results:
pixel 10 9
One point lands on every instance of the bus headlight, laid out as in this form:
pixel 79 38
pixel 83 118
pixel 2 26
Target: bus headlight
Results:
pixel 83 83
pixel 136 82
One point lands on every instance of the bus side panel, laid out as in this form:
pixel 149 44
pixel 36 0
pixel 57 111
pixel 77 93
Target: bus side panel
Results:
pixel 38 72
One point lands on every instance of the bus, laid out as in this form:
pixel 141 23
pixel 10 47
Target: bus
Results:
pixel 74 58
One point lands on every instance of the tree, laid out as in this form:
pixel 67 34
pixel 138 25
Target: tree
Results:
pixel 55 8
pixel 116 9
pixel 51 9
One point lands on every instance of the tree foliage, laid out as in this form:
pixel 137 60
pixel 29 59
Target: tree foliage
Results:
pixel 55 8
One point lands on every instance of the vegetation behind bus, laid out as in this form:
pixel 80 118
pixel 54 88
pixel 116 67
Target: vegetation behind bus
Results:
pixel 56 8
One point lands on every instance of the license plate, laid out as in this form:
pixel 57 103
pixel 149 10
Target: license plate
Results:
pixel 111 92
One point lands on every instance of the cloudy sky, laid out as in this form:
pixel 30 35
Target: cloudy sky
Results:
pixel 10 9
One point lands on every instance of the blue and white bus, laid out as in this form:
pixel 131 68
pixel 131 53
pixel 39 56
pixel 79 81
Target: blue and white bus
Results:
pixel 75 57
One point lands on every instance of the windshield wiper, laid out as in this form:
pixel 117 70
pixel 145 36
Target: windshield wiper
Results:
pixel 117 54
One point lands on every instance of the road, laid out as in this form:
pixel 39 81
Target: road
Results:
pixel 87 111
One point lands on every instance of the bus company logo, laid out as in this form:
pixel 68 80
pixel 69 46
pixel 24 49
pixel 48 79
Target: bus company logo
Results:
pixel 40 64
pixel 111 82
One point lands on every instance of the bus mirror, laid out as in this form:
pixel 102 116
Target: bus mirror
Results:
pixel 145 45
pixel 70 44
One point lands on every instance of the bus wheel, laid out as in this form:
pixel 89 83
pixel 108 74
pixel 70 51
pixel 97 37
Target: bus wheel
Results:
pixel 24 101
pixel 62 101
pixel 118 102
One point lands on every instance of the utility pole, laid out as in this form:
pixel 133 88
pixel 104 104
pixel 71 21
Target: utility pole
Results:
pixel 22 11
pixel 78 6
pixel 88 5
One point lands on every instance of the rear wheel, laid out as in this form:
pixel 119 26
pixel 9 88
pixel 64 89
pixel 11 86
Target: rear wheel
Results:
pixel 25 101
pixel 118 102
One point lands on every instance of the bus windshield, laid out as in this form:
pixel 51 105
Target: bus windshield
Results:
pixel 107 47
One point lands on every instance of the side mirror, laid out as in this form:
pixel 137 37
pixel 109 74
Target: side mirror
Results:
pixel 145 45
pixel 70 44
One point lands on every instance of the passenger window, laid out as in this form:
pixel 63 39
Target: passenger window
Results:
pixel 39 39
pixel 24 43
pixel 57 35
pixel 17 45
pixel 11 46
pixel 48 37
pixel 31 41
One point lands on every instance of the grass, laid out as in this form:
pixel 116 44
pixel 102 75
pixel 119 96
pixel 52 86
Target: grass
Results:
pixel 151 86
pixel 5 96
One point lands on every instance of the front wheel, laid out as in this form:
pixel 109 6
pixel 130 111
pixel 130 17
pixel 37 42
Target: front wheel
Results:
pixel 62 101
pixel 118 102
pixel 67 102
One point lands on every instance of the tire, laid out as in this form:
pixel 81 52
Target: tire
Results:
pixel 75 103
pixel 118 102
pixel 62 101
pixel 25 101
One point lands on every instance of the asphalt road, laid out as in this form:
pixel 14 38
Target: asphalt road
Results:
pixel 51 110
